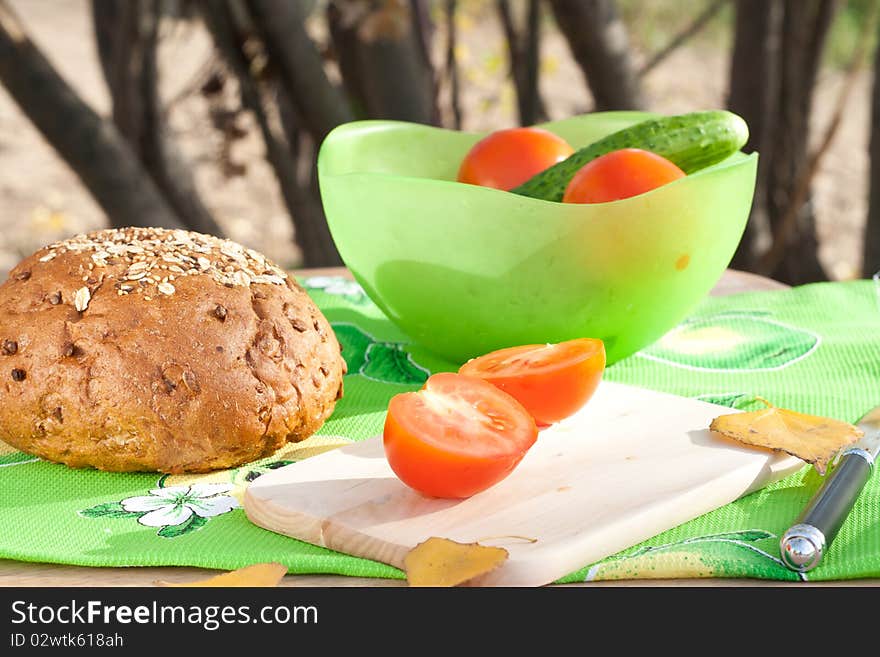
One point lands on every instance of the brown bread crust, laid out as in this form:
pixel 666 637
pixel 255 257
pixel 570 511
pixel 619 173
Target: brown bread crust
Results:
pixel 206 357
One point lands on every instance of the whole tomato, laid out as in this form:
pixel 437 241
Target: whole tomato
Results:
pixel 507 158
pixel 620 174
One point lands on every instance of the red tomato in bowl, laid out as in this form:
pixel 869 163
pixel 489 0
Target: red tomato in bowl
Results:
pixel 620 174
pixel 552 381
pixel 456 436
pixel 507 158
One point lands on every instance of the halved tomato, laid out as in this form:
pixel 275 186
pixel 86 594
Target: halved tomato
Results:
pixel 552 381
pixel 456 436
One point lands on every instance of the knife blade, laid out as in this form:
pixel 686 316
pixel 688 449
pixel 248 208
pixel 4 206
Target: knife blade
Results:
pixel 804 543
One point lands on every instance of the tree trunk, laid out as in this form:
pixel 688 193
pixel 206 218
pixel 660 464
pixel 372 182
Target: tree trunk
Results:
pixel 532 108
pixel 452 64
pixel 524 54
pixel 871 251
pixel 311 231
pixel 423 28
pixel 383 65
pixel 805 26
pixel 90 145
pixel 127 36
pixel 753 94
pixel 598 41
pixel 320 105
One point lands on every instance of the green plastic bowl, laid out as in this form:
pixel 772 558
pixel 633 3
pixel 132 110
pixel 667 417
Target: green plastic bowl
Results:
pixel 464 269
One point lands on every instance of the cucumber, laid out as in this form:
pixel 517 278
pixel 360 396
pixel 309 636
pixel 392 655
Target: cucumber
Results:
pixel 691 141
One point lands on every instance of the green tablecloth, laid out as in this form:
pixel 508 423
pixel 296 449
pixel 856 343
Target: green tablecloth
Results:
pixel 814 349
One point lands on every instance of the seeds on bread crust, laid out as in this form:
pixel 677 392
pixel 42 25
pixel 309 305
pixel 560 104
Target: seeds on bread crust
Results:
pixel 81 299
pixel 146 260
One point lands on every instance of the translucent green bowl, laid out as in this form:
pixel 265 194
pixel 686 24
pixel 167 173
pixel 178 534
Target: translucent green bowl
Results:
pixel 464 269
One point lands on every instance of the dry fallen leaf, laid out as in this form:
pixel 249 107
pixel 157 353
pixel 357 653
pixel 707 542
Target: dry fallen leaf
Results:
pixel 261 574
pixel 442 562
pixel 811 438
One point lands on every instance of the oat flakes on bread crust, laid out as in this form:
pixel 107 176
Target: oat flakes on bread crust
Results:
pixel 145 349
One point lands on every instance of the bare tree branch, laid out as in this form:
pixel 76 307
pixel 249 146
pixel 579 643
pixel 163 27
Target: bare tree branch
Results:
pixel 207 72
pixel 523 53
pixel 320 105
pixel 127 36
pixel 689 31
pixel 90 145
pixel 785 227
pixel 312 233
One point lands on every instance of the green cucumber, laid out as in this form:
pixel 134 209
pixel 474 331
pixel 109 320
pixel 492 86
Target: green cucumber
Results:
pixel 691 141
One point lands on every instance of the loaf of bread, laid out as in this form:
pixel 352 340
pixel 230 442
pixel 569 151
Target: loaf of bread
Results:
pixel 145 349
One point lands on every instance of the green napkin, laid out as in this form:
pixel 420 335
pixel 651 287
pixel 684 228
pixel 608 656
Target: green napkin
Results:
pixel 814 349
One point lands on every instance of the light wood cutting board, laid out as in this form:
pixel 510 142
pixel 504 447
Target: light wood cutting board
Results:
pixel 630 464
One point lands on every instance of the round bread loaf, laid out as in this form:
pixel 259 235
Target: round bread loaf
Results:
pixel 145 349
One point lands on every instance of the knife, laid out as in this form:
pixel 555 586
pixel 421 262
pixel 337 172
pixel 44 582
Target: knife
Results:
pixel 804 543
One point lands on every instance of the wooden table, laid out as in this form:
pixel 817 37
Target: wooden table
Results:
pixel 16 573
pixel 732 282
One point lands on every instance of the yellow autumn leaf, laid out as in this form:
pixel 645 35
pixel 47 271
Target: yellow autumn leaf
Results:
pixel 811 438
pixel 493 62
pixel 464 21
pixel 549 64
pixel 442 562
pixel 259 575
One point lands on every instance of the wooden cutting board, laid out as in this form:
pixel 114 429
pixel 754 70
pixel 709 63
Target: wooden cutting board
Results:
pixel 630 464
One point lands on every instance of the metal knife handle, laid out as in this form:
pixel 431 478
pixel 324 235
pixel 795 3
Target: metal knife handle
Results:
pixel 803 545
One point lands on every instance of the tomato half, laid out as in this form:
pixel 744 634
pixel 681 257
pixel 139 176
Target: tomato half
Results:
pixel 456 436
pixel 507 158
pixel 620 174
pixel 552 381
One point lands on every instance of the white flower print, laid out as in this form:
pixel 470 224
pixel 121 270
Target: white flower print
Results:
pixel 335 285
pixel 174 505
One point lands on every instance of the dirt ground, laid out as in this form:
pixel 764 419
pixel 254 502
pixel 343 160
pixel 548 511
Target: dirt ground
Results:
pixel 43 200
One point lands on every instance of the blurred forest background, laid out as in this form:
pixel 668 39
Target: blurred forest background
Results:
pixel 207 114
